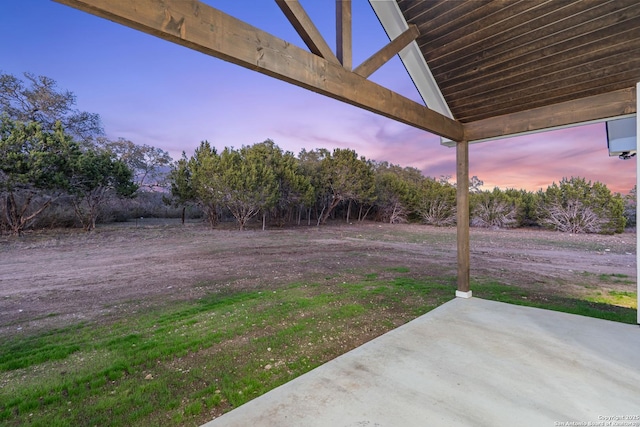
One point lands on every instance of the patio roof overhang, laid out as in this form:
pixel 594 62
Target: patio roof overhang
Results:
pixel 502 68
pixel 485 69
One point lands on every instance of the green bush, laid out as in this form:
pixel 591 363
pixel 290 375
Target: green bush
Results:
pixel 575 205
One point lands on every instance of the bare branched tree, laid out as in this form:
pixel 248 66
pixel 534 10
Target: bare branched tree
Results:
pixel 475 184
pixel 38 99
pixel 493 212
pixel 438 212
pixel 576 205
pixel 573 217
pixel 149 164
pixel 393 213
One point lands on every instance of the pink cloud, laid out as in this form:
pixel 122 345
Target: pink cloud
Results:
pixel 535 161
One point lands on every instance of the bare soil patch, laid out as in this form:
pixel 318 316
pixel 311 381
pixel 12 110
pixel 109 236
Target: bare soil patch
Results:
pixel 56 278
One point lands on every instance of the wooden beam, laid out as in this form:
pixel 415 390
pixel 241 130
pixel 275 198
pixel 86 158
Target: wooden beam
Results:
pixel 296 14
pixel 462 218
pixel 200 27
pixel 597 107
pixel 381 57
pixel 343 33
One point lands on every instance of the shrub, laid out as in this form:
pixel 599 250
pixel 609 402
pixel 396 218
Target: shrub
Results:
pixel 577 206
pixel 494 209
pixel 436 203
pixel 630 201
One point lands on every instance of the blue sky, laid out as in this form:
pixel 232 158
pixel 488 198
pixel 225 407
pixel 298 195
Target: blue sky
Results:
pixel 153 92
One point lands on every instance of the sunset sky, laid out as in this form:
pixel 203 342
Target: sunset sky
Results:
pixel 153 92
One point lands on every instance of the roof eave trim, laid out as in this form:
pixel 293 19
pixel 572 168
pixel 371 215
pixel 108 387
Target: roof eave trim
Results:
pixel 394 24
pixel 451 144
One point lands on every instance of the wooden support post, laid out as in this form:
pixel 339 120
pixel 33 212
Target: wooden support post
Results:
pixel 343 33
pixel 462 202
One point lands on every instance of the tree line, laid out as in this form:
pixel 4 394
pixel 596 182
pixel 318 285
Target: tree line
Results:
pixel 54 158
pixel 263 180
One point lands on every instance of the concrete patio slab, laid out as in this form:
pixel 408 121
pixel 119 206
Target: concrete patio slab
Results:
pixel 470 362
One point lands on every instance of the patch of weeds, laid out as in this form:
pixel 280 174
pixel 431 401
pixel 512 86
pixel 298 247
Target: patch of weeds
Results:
pixel 421 286
pixel 399 269
pixel 213 400
pixel 193 408
pixel 388 324
pixel 623 294
pixel 180 362
pixel 617 298
pixel 616 278
pixel 498 291
pixel 24 352
pixel 585 307
pixel 348 311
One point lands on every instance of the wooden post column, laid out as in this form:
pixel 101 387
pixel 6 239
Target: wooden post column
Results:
pixel 462 203
pixel 343 33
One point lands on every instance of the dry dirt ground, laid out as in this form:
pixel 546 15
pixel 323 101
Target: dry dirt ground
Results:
pixel 55 278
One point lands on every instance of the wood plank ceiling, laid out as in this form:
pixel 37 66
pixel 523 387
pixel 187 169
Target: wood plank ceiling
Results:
pixel 495 58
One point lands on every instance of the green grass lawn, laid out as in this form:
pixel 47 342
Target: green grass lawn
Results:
pixel 609 307
pixel 184 364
